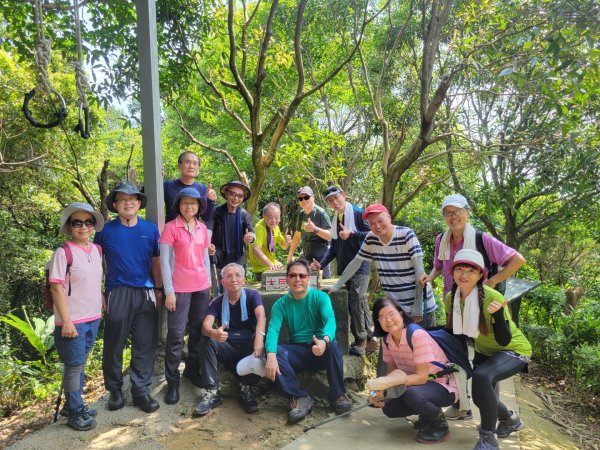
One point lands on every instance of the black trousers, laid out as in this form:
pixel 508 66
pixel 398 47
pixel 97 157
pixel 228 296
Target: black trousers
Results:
pixel 130 311
pixel 227 353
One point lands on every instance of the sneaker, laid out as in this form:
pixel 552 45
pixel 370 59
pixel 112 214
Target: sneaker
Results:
pixel 507 426
pixel 372 345
pixel 209 399
pixel 454 413
pixel 249 403
pixel 300 407
pixel 487 441
pixel 359 348
pixel 64 411
pixel 81 421
pixel 341 405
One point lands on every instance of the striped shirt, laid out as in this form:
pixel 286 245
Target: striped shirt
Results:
pixel 395 267
pixel 426 350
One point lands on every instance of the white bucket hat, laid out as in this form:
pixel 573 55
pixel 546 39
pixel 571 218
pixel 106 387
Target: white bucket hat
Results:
pixel 251 364
pixel 71 209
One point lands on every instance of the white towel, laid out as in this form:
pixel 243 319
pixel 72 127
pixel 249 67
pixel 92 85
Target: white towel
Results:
pixel 461 383
pixel 467 324
pixel 348 221
pixel 469 242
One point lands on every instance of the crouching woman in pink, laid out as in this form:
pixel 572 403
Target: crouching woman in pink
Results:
pixel 75 276
pixel 412 374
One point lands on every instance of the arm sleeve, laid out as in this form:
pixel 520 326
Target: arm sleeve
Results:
pixel 501 326
pixel 274 327
pixel 349 271
pixel 361 226
pixel 166 253
pixel 417 307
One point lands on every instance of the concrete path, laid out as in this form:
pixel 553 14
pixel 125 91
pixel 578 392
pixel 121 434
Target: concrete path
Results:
pixel 370 428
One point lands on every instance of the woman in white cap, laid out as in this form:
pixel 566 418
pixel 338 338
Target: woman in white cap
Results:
pixel 75 276
pixel 501 350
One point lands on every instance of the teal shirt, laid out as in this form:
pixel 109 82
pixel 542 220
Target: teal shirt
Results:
pixel 303 318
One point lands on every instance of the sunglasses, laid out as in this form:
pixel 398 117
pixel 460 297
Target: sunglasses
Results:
pixel 77 223
pixel 302 276
pixel 303 198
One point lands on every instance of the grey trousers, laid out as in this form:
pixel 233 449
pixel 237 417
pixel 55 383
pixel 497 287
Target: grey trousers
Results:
pixel 361 322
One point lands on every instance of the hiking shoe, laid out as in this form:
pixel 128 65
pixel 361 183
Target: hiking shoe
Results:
pixel 81 421
pixel 300 407
pixel 341 405
pixel 64 411
pixel 116 400
pixel 209 399
pixel 420 423
pixel 454 413
pixel 507 426
pixel 172 395
pixel 487 441
pixel 435 429
pixel 359 348
pixel 372 345
pixel 146 403
pixel 249 403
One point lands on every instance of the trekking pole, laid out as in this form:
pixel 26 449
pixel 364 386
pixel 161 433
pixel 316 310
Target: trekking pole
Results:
pixel 331 419
pixel 58 400
pixel 213 267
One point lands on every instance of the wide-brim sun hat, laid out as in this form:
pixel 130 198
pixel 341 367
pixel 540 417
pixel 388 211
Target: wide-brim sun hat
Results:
pixel 457 200
pixel 125 188
pixel 251 365
pixel 71 209
pixel 470 257
pixel 191 193
pixel 238 184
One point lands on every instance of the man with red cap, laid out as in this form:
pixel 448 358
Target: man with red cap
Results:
pixel 398 258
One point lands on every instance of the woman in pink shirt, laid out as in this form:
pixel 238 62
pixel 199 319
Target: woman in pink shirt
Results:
pixel 75 276
pixel 411 383
pixel 183 243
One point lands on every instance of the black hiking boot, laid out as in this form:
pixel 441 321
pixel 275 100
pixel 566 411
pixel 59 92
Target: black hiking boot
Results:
pixel 435 431
pixel 116 400
pixel 247 399
pixel 81 421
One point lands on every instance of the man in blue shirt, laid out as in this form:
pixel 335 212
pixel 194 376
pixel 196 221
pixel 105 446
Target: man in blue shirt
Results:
pixel 132 284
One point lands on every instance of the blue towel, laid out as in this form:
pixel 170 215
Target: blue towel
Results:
pixel 225 307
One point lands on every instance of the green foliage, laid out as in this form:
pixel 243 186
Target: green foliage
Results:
pixel 543 305
pixel 587 368
pixel 39 334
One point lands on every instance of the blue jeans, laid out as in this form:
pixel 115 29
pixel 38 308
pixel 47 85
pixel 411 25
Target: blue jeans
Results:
pixel 74 352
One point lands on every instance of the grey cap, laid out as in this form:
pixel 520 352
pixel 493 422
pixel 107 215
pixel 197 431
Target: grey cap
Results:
pixel 306 190
pixel 125 188
pixel 332 190
pixel 71 209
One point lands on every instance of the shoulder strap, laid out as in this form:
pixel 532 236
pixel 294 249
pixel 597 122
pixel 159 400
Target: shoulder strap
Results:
pixel 481 248
pixel 99 249
pixel 69 256
pixel 410 329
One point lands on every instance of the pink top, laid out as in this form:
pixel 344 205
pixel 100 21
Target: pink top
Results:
pixel 425 351
pixel 498 253
pixel 189 273
pixel 85 301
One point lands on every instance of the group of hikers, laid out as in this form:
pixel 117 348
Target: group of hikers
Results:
pixel 142 266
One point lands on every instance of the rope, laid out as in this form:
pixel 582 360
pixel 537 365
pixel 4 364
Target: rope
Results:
pixel 43 52
pixel 81 80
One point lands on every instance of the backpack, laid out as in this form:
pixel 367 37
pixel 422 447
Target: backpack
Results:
pixel 48 300
pixel 492 268
pixel 450 345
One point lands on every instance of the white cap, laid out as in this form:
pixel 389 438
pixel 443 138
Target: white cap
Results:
pixel 455 200
pixel 471 257
pixel 251 364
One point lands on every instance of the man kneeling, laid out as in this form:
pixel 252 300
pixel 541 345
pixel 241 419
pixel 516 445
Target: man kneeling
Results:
pixel 310 323
pixel 240 334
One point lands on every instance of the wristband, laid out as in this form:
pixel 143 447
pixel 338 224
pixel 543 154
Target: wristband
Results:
pixel 261 333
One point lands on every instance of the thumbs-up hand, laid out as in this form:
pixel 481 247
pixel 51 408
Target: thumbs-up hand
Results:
pixel 211 194
pixel 315 265
pixel 248 238
pixel 309 226
pixel 319 346
pixel 220 334
pixel 344 233
pixel 288 236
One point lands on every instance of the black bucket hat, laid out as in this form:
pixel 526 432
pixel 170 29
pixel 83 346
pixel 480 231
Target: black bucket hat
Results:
pixel 192 193
pixel 125 188
pixel 237 184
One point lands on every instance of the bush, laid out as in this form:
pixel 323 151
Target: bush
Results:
pixel 543 305
pixel 587 368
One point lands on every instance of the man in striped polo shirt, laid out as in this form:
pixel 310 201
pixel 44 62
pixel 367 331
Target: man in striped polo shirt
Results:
pixel 398 258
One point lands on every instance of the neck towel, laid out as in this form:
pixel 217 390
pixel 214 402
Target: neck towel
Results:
pixel 225 307
pixel 467 323
pixel 348 221
pixel 270 240
pixel 238 231
pixel 469 242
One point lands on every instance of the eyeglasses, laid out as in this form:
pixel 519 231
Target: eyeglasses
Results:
pixel 388 317
pixel 235 194
pixel 302 276
pixel 123 201
pixel 234 276
pixel 303 198
pixel 77 223
pixel 455 213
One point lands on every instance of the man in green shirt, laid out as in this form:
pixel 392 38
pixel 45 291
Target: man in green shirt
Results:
pixel 310 323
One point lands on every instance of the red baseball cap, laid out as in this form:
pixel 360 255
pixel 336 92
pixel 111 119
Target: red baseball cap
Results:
pixel 373 209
